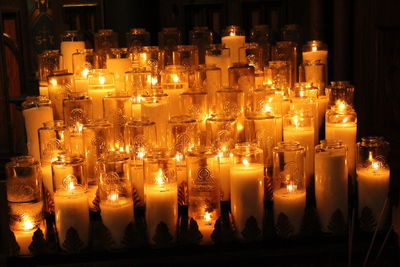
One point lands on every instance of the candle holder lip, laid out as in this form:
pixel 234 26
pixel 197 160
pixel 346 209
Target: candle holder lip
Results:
pixel 373 141
pixel 64 158
pixel 277 63
pixel 202 151
pixel 95 123
pixel 289 146
pixel 72 36
pixel 338 112
pixel 59 74
pixel 113 157
pixel 330 144
pixel 182 119
pixel 22 161
pixel 77 191
pixel 222 117
pixel 194 91
pixel 228 90
pixel 118 52
pixel 314 43
pixel 138 30
pixel 233 30
pixel 254 115
pixel 159 153
pixel 143 122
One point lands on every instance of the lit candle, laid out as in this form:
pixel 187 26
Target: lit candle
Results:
pixel 331 181
pixel 222 61
pixel 116 214
pixel 174 101
pixel 119 66
pixel 206 228
pixel 161 205
pixel 24 236
pixel 71 211
pixel 136 173
pixel 68 48
pixel 247 193
pixel 234 42
pixel 224 177
pixel 373 188
pixel 44 90
pixel 100 86
pixel 155 108
pixel 292 203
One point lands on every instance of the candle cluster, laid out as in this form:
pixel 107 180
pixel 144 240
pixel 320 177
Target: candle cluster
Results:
pixel 151 128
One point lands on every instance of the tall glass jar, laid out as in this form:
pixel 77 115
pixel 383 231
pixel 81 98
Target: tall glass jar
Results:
pixel 204 194
pixel 340 92
pixel 78 110
pixel 261 34
pixel 115 192
pixel 71 41
pixel 316 50
pixel 331 184
pixel 251 54
pixel 233 37
pixel 49 62
pixel 161 197
pixel 289 187
pixel 288 51
pixel 60 84
pixel 25 199
pixel 137 37
pixel 221 132
pixel 36 111
pixel 373 178
pixel 277 74
pixel 101 84
pixel 242 76
pixel 201 37
pixel 247 191
pixel 118 62
pixel 219 55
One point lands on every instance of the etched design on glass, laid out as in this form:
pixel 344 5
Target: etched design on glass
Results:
pixel 291 174
pixel 100 144
pixel 204 177
pixel 167 176
pixel 139 142
pixel 21 192
pixel 119 117
pixel 76 115
pixel 194 110
pixel 182 141
pixel 51 147
pixel 110 178
pixel 230 108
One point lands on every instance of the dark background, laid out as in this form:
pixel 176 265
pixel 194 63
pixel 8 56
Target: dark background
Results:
pixel 363 38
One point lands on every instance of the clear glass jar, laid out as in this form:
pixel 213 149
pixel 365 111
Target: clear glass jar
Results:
pixel 247 190
pixel 277 74
pixel 288 51
pixel 169 37
pixel 261 34
pixel 221 132
pixel 340 92
pixel 137 37
pixel 151 58
pixel 289 187
pixel 161 195
pixel 204 194
pixel 292 33
pixel 373 179
pixel 105 39
pixel 331 182
pixel 101 84
pixel 78 110
pixel 219 55
pixel 242 76
pixel 48 62
pixel 71 41
pixel 67 169
pixel 60 85
pixel 201 37
pixel 183 134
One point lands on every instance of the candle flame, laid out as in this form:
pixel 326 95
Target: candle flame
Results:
pixel 78 127
pixel 102 80
pixel 267 108
pixel 375 165
pixel 291 188
pixel 207 216
pixel 232 34
pixel 296 121
pixel 113 197
pixel 85 72
pixel 245 162
pixel 53 82
pixel 341 104
pixel 345 119
pixel 370 158
pixel 27 223
pixel 175 78
pixel 220 154
pixel 154 81
pixel 178 157
pixel 140 154
pixel 159 177
pixel 314 48
pixel 71 186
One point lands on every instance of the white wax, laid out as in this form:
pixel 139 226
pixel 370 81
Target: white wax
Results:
pixel 234 43
pixel 305 136
pixel 47 178
pixel 116 215
pixel 119 66
pixel 24 240
pixel 292 204
pixel 71 210
pixel 81 85
pixel 247 194
pixel 225 178
pixel 347 132
pixel 174 101
pixel 157 112
pixel 68 48
pixel 44 90
pixel 57 95
pixel 331 185
pixel 222 62
pixel 97 95
pixel 373 188
pixel 34 119
pixel 136 173
pixel 322 106
pixel 321 55
pixel 279 129
pixel 59 173
pixel 136 111
pixel 206 228
pixel 161 206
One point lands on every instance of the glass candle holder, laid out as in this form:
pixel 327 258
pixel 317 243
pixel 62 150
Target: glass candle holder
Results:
pixel 204 194
pixel 118 62
pixel 219 55
pixel 104 41
pixel 101 84
pixel 78 110
pixel 71 41
pixel 299 127
pixel 261 34
pixel 67 168
pixel 278 75
pixel 183 134
pixel 169 37
pixel 115 190
pixel 316 50
pixel 211 85
pixel 48 62
pixel 289 187
pixel 287 51
pixel 83 62
pixel 251 54
pixel 341 124
pixel 314 72
pixel 140 82
pixel 60 85
pixel 36 111
pixel 247 190
pixel 161 196
pixel 186 56
pixel 137 37
pixel 24 195
pixel 373 177
pixel 331 182
pixel 118 111
pixel 71 214
pixel 201 37
pixel 140 137
pixel 221 132
pixel 195 104
pixel 97 140
pixel 233 37
pixel 155 108
pixel 340 91
pixel 242 76
pixel 175 77
pixel 151 58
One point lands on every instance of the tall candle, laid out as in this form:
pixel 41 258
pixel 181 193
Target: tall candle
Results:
pixel 161 207
pixel 47 178
pixel 67 49
pixel 290 202
pixel 206 228
pixel 71 210
pixel 223 62
pixel 247 193
pixel 24 236
pixel 116 214
pixel 373 188
pixel 234 43
pixel 305 136
pixel 138 180
pixel 331 182
pixel 119 66
pixel 34 119
pixel 225 178
pixel 321 55
pixel 174 102
pixel 97 93
pixel 157 111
